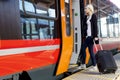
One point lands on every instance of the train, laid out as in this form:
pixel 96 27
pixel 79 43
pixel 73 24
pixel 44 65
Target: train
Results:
pixel 40 39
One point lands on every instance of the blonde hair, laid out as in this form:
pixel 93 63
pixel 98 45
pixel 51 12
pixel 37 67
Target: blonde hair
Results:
pixel 90 6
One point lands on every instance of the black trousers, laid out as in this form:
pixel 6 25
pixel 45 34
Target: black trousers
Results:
pixel 88 43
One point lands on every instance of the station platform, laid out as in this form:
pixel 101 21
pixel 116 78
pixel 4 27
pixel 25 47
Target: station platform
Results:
pixel 93 74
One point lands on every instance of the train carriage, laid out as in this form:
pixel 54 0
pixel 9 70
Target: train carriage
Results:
pixel 32 42
pixel 40 39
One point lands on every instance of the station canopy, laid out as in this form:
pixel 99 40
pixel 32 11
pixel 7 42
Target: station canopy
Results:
pixel 104 8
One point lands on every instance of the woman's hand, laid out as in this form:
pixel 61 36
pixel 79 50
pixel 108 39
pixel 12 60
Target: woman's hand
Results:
pixel 96 38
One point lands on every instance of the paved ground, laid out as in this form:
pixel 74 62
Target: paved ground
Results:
pixel 93 74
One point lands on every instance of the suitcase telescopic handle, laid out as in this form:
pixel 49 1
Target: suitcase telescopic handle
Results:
pixel 96 46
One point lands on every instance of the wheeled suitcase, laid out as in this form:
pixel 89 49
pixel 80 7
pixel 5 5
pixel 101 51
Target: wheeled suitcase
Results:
pixel 105 61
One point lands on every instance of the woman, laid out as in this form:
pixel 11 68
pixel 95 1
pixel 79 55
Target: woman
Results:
pixel 90 32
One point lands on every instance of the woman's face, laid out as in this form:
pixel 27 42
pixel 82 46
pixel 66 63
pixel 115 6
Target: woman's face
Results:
pixel 87 11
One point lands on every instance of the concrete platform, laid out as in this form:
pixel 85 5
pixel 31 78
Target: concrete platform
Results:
pixel 93 74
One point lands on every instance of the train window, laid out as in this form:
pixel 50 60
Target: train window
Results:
pixel 38 28
pixel 68 26
pixel 103 27
pixel 44 9
pixel 110 26
pixel 115 25
pixel 116 30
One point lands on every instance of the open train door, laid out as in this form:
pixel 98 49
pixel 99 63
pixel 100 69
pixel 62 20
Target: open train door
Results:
pixel 77 31
pixel 67 36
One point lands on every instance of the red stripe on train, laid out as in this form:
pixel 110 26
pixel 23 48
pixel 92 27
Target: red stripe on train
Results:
pixel 27 61
pixel 16 63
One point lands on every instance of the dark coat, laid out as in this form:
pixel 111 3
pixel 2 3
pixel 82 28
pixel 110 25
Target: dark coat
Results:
pixel 94 27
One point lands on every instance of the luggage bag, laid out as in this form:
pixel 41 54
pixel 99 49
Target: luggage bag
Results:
pixel 105 61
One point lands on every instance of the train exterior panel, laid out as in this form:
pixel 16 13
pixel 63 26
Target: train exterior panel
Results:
pixel 33 46
pixel 17 55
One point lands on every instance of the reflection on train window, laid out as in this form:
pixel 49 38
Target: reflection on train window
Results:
pixel 44 9
pixel 38 28
pixel 103 27
pixel 68 26
pixel 110 26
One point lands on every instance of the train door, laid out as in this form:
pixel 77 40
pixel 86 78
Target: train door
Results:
pixel 77 31
pixel 67 36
